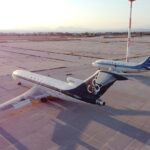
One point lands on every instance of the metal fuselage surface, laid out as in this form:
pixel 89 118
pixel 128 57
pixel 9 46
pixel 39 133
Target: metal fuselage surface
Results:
pixel 120 66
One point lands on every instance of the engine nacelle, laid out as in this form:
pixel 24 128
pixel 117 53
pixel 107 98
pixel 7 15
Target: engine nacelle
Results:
pixel 100 102
pixel 22 103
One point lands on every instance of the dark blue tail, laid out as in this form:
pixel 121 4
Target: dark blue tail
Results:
pixel 94 86
pixel 146 63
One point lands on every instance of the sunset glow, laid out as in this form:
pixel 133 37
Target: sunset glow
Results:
pixel 42 15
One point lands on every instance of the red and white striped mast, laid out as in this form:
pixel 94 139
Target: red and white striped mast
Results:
pixel 129 31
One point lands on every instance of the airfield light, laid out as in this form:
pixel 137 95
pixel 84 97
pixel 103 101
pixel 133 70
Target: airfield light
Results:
pixel 129 31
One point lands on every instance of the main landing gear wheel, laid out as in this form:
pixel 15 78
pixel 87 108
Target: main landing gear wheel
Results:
pixel 19 83
pixel 44 100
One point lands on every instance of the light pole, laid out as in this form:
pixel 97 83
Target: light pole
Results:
pixel 129 31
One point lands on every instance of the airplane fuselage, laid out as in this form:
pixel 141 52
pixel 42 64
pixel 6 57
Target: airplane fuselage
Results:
pixel 28 79
pixel 31 78
pixel 119 66
pixel 55 87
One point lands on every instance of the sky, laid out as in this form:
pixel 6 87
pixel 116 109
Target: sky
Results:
pixel 72 15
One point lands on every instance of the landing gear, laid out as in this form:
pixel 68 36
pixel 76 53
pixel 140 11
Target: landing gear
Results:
pixel 44 100
pixel 19 83
pixel 100 102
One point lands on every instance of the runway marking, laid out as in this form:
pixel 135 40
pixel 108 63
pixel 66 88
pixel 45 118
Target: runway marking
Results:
pixel 36 55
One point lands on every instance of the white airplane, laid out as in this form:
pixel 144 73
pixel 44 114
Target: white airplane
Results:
pixel 88 90
pixel 121 66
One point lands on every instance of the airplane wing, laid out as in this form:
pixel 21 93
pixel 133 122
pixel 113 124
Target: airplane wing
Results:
pixel 35 92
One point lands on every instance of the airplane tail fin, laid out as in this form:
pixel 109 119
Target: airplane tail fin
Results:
pixel 146 62
pixel 95 86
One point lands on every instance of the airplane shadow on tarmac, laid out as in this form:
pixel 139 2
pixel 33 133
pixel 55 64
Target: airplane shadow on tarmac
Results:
pixel 77 116
pixel 12 139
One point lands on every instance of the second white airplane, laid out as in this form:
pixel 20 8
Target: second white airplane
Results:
pixel 88 90
pixel 121 66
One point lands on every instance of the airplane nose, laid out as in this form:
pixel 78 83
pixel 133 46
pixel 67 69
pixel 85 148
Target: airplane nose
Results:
pixel 94 64
pixel 14 75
